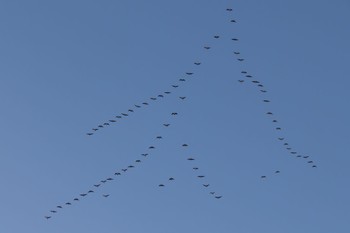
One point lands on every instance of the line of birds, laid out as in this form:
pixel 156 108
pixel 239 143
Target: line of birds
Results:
pixel 249 77
pixel 246 77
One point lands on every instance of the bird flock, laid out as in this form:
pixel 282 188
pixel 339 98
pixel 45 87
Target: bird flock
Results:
pixel 246 77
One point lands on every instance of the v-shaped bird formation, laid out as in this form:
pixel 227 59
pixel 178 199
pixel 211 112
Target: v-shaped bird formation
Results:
pixel 246 77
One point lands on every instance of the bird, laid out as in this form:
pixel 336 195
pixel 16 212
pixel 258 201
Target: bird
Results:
pixel 263 91
pixel 76 199
pixel 293 152
pixel 314 166
pixel 167 92
pixel 103 181
pixel 278 128
pixel 298 156
pixel 166 125
pixel 105 195
pixel 68 203
pixel 100 126
pixel 144 155
pixel 310 161
pixel 306 156
pixel 159 137
pixel 171 178
pixel 234 39
pixel 200 176
pixel 117 174
pixel 83 194
pixel 260 85
pixel 269 113
pixel 218 197
pixel 182 97
pixel 105 123
pixel 145 103
pixel 206 47
pixel 184 145
pixel 212 193
pixel 274 121
pixel 277 172
pixel 161 96
pixel 197 63
pixel 189 73
pixel 182 80
pixel 130 110
pixel 97 185
pixel 263 177
pixel 266 101
pixel 131 166
pixel 89 134
pixel 240 80
pixel 229 9
pixel 151 147
pixel 190 159
pixel 174 113
pixel 109 178
pixel 124 114
pixel 152 98
pixel 137 106
pixel 112 121
pixel 60 207
pixel 174 86
pixel 244 72
pixel 53 211
pixel 118 117
pixel 206 185
pixel 249 76
pixel 288 148
pixel 281 139
pixel 255 81
pixel 161 185
pixel 94 129
pixel 233 21
pixel 47 217
pixel 124 170
pixel 90 191
pixel 216 37
pixel 237 53
pixel 195 168
pixel 240 59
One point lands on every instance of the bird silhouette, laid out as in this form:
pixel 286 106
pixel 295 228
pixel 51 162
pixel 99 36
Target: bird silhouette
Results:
pixel 216 37
pixel 206 185
pixel 197 63
pixel 105 195
pixel 206 47
pixel 189 73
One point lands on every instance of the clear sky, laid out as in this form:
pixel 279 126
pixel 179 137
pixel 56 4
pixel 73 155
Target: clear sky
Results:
pixel 68 66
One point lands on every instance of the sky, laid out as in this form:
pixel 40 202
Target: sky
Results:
pixel 68 66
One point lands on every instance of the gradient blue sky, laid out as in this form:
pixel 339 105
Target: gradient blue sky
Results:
pixel 67 66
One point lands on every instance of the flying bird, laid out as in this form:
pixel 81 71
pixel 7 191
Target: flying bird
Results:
pixel 174 113
pixel 244 72
pixel 130 110
pixel 277 172
pixel 278 128
pixel 105 123
pixel 266 101
pixel 124 114
pixel 234 39
pixel 76 199
pixel 212 193
pixel 60 207
pixel 100 126
pixel 190 159
pixel 144 155
pixel 161 185
pixel 153 98
pixel 90 191
pixel 53 211
pixel 89 134
pixel 182 80
pixel 131 166
pixel 117 174
pixel 151 147
pixel 97 185
pixel 182 97
pixel 124 170
pixel 145 103
pixel 167 92
pixel 166 125
pixel 137 106
pixel 174 86
pixel 195 168
pixel 161 96
pixel 233 21
pixel 68 203
pixel 189 73
pixel 200 176
pixel 184 145
pixel 197 63
pixel 263 91
pixel 255 81
pixel 83 194
pixel 206 185
pixel 94 129
pixel 263 177
pixel 229 9
pixel 218 197
pixel 206 47
pixel 159 137
pixel 216 37
pixel 171 178
pixel 237 53
pixel 105 195
pixel 240 59
pixel 118 117
pixel 109 178
pixel 112 121
pixel 47 217
pixel 281 139
pixel 240 80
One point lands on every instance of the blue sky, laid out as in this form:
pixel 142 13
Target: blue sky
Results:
pixel 67 66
